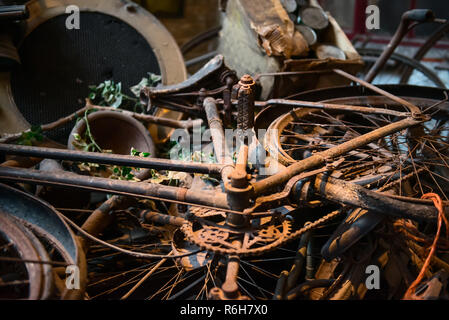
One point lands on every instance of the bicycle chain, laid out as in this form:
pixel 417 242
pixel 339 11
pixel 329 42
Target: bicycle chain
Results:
pixel 216 235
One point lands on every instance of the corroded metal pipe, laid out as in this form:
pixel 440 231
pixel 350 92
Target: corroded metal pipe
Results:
pixel 409 105
pixel 143 189
pixel 230 286
pixel 151 216
pixel 101 218
pixel 320 158
pixel 218 138
pixel 417 15
pixel 344 192
pixel 325 106
pixel 112 159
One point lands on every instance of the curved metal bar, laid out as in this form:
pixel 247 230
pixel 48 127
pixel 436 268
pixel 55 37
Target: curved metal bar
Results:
pixel 320 158
pixel 45 220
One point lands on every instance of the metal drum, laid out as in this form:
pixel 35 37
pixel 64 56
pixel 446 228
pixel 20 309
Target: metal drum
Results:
pixel 59 64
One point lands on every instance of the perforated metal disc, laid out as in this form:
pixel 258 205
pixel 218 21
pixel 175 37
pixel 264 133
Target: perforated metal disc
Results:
pixel 58 65
pixel 117 40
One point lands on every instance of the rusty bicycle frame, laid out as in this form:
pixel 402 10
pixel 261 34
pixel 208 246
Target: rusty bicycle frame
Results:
pixel 228 200
pixel 242 200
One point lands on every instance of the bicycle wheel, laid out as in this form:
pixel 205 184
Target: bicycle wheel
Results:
pixel 35 246
pixel 408 163
pixel 19 278
pixel 113 276
pixel 302 132
pixel 432 40
pixel 394 68
pixel 262 270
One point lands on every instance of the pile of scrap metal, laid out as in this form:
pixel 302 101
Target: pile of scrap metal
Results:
pixel 358 187
pixel 337 193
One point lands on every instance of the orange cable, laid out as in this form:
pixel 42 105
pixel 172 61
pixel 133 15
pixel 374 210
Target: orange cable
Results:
pixel 409 294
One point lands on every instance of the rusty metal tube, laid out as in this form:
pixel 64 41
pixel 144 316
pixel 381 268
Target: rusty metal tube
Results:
pixel 230 286
pixel 320 158
pixel 182 124
pixel 326 106
pixel 331 107
pixel 100 219
pixel 409 105
pixel 340 191
pixel 418 15
pixel 112 159
pixel 218 137
pixel 151 216
pixel 71 180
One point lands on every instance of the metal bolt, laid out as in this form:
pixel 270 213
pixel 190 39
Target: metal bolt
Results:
pixel 239 179
pixel 247 80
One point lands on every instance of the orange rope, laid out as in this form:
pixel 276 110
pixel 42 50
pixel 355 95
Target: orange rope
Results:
pixel 410 294
pixel 412 233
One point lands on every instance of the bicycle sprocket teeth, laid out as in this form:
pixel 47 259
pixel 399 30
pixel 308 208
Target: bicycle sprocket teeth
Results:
pixel 219 238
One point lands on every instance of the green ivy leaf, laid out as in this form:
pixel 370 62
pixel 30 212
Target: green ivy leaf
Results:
pixel 77 137
pixel 126 171
pixel 29 137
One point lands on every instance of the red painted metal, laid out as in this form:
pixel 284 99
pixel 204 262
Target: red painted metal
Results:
pixel 359 26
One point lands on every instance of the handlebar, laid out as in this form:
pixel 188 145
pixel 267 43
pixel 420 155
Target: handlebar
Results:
pixel 419 15
pixel 409 20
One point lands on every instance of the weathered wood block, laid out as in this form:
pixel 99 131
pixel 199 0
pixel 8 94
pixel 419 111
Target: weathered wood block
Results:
pixel 258 37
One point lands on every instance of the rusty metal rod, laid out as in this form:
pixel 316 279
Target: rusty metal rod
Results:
pixel 326 106
pixel 71 180
pixel 406 24
pixel 341 191
pixel 230 286
pixel 320 158
pixel 112 159
pixel 151 216
pixel 100 219
pixel 97 221
pixel 242 158
pixel 183 124
pixel 141 281
pixel 218 138
pixel 330 107
pixel 409 105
